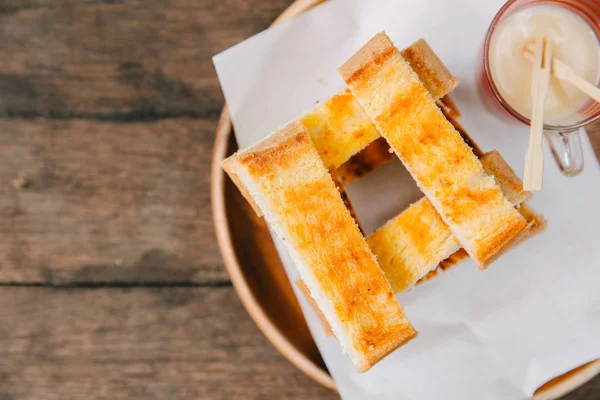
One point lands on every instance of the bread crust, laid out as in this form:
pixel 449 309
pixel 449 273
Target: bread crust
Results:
pixel 236 180
pixel 431 71
pixel 443 165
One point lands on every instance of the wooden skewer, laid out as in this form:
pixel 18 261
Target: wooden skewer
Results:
pixel 564 72
pixel 534 160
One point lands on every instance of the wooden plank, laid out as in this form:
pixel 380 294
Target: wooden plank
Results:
pixel 105 59
pixel 102 201
pixel 163 343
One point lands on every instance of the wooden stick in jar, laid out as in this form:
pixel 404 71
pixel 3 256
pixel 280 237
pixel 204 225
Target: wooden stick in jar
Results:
pixel 534 160
pixel 564 72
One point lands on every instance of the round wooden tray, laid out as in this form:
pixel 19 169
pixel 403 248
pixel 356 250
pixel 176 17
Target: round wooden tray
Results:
pixel 260 280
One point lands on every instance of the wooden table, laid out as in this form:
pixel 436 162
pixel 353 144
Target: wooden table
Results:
pixel 111 282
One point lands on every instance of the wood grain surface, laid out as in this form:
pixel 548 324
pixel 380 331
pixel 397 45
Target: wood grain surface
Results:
pixel 107 118
pixel 142 343
pixel 120 60
pixel 107 201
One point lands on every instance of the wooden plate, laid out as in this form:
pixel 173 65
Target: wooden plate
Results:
pixel 260 280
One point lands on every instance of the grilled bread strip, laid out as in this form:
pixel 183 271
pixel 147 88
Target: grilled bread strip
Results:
pixel 299 200
pixel 340 128
pixel 415 242
pixel 445 168
pixel 448 263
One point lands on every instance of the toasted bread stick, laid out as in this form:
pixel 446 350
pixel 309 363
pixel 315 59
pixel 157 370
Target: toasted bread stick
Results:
pixel 289 183
pixel 468 200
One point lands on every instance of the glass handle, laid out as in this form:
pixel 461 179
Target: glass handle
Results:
pixel 567 151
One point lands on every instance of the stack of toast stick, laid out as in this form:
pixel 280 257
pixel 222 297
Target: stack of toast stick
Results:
pixel 396 103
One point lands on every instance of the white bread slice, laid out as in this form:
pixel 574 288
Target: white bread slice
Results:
pixel 416 241
pixel 512 187
pixel 443 165
pixel 340 128
pixel 299 200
